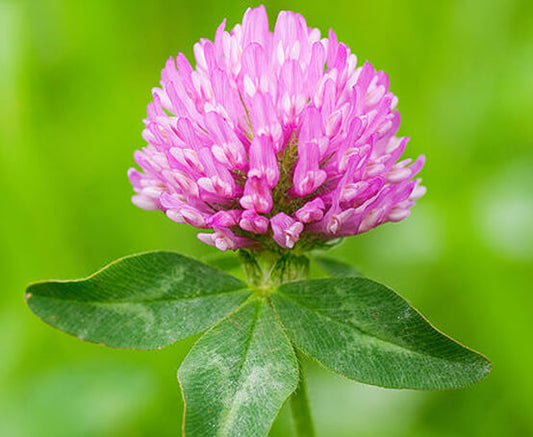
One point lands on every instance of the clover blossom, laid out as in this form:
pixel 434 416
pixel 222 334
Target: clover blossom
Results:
pixel 275 138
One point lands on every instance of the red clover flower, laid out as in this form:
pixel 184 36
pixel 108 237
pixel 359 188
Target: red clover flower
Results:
pixel 274 136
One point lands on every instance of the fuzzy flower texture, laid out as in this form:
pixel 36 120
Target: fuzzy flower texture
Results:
pixel 275 140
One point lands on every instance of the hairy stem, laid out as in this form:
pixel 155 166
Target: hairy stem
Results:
pixel 301 413
pixel 265 271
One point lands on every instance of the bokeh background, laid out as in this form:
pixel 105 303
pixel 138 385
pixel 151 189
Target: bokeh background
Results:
pixel 75 78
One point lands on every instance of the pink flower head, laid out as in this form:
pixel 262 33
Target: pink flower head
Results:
pixel 274 139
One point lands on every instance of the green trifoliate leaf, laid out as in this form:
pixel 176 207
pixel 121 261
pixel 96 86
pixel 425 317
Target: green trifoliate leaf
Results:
pixel 365 331
pixel 238 375
pixel 143 301
pixel 336 268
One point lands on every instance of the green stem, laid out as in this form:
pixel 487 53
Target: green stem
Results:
pixel 265 271
pixel 301 413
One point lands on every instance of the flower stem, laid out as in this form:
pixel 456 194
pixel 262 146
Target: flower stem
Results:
pixel 301 413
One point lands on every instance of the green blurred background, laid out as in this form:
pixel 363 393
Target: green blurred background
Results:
pixel 75 78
